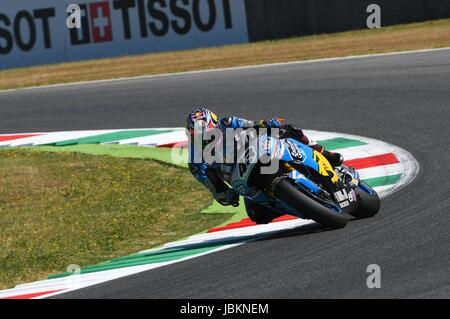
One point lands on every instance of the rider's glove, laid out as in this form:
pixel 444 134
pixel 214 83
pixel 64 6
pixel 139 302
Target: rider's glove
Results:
pixel 334 158
pixel 273 122
pixel 228 197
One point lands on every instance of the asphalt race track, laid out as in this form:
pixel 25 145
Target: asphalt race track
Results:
pixel 401 99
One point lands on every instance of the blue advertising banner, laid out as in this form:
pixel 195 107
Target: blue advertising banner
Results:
pixel 35 32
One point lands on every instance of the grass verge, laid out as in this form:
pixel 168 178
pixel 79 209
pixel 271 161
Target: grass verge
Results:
pixel 67 208
pixel 432 34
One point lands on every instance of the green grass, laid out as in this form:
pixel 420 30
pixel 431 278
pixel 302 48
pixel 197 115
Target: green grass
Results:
pixel 61 208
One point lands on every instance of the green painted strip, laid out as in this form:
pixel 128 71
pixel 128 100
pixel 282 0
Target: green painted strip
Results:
pixel 383 180
pixel 144 259
pixel 340 142
pixel 110 137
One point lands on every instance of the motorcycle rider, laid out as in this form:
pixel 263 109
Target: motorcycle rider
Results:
pixel 202 120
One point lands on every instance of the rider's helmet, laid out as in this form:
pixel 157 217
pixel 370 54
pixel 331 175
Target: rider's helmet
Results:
pixel 201 121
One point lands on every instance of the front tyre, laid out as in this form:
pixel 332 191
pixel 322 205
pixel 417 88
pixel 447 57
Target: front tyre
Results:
pixel 369 204
pixel 285 191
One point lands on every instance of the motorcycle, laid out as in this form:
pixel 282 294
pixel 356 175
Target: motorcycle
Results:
pixel 304 184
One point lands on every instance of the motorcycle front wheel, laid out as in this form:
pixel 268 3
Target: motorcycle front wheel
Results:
pixel 295 198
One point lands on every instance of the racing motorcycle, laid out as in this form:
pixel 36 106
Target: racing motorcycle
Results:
pixel 303 185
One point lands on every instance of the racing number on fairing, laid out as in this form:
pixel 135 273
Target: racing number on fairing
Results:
pixel 325 168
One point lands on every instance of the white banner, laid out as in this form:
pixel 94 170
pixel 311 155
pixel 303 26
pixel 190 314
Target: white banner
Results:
pixel 35 32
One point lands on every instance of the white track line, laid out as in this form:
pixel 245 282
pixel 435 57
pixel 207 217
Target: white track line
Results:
pixel 154 140
pixel 234 234
pixel 61 136
pixel 54 137
pixel 249 67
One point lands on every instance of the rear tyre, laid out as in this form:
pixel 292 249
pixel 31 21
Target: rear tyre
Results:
pixel 308 206
pixel 260 214
pixel 369 204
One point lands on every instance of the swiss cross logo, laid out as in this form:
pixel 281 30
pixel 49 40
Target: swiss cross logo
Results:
pixel 96 24
pixel 100 21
